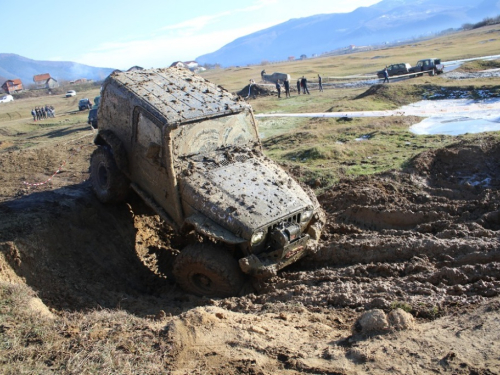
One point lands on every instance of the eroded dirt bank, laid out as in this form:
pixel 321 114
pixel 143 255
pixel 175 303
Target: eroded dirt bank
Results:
pixel 425 239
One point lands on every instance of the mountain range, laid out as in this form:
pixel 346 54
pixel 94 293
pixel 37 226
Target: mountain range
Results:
pixel 386 21
pixel 14 66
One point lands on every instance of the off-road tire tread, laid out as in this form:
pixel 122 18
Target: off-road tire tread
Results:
pixel 222 267
pixel 117 188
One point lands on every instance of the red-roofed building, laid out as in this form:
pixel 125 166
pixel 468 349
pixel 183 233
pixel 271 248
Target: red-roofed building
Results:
pixel 12 85
pixel 45 81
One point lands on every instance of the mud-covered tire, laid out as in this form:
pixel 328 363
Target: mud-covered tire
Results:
pixel 206 270
pixel 109 183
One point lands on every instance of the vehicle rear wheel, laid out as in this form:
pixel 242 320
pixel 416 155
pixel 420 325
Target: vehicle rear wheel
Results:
pixel 207 270
pixel 108 182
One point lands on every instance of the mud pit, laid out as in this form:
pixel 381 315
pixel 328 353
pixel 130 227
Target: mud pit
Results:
pixel 425 240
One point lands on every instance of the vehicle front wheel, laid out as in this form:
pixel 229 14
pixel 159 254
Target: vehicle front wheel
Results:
pixel 108 182
pixel 207 270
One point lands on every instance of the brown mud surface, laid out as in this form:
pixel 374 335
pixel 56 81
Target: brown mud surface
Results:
pixel 425 239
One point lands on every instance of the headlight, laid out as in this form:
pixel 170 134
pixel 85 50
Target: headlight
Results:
pixel 306 215
pixel 258 237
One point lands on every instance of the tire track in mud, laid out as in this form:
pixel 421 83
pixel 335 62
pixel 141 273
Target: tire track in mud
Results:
pixel 426 238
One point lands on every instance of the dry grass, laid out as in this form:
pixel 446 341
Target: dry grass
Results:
pixel 466 44
pixel 98 342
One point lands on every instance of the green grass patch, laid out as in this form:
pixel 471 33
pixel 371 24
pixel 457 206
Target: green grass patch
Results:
pixel 478 65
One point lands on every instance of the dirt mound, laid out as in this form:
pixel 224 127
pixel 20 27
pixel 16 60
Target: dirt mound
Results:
pixel 255 90
pixel 468 164
pixel 393 94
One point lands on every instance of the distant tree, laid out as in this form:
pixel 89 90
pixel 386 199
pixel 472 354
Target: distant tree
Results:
pixel 467 26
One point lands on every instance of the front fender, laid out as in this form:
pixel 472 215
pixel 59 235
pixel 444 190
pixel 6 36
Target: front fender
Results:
pixel 211 229
pixel 108 138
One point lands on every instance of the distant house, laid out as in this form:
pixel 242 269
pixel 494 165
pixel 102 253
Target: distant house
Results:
pixel 291 58
pixel 191 65
pixel 45 81
pixel 178 64
pixel 78 81
pixel 12 85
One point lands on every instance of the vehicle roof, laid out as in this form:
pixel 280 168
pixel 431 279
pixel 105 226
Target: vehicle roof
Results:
pixel 177 94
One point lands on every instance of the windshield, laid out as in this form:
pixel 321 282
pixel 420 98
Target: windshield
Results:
pixel 210 135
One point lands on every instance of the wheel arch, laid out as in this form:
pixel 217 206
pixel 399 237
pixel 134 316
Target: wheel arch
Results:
pixel 107 138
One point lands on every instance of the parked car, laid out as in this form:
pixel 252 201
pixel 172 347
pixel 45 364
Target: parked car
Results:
pixel 395 70
pixel 6 98
pixel 70 93
pixel 431 65
pixel 84 104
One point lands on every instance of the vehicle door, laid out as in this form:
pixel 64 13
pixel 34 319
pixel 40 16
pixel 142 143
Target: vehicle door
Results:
pixel 427 65
pixel 148 159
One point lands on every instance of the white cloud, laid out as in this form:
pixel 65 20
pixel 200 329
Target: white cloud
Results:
pixel 199 23
pixel 162 51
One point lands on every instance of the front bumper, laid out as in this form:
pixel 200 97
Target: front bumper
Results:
pixel 268 264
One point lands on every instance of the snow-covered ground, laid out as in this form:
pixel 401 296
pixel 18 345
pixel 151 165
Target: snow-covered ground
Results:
pixel 447 116
pixel 455 116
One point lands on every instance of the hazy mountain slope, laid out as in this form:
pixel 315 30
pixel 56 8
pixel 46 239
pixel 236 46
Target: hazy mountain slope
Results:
pixel 15 66
pixel 389 20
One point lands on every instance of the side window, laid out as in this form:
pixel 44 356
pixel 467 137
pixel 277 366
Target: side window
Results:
pixel 147 131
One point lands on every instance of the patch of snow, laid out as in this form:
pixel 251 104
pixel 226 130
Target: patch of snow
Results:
pixel 455 116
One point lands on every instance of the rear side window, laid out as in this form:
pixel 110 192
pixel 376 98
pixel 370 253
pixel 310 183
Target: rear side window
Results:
pixel 147 131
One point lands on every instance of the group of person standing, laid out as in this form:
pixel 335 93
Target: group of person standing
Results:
pixel 301 86
pixel 40 113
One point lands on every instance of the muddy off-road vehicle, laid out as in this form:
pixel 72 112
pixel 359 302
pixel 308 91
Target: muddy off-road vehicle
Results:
pixel 191 151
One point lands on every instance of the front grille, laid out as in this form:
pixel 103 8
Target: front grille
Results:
pixel 295 218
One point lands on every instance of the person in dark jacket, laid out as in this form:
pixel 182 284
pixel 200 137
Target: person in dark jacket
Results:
pixel 303 83
pixel 286 83
pixel 320 83
pixel 278 88
pixel 386 76
pixel 298 86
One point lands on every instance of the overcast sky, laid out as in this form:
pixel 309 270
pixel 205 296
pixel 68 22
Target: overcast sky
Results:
pixel 148 33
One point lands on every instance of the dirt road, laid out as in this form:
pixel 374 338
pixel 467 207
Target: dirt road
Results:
pixel 425 240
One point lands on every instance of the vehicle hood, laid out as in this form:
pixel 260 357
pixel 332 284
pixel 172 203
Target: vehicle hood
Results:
pixel 244 196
